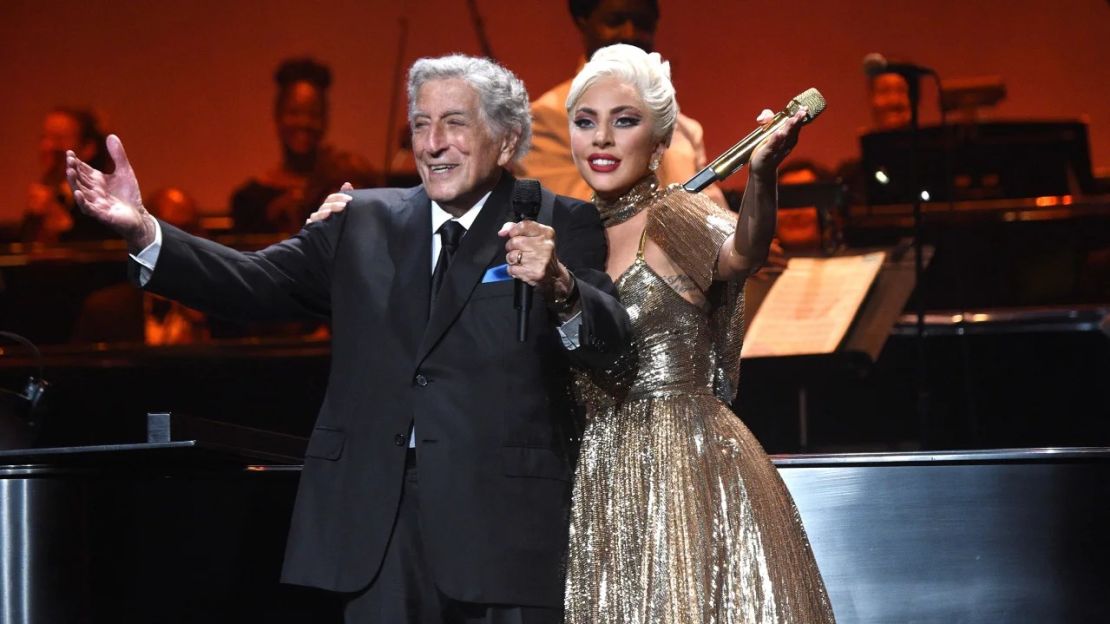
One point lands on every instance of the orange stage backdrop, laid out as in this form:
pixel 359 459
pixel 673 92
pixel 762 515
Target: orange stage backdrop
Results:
pixel 188 85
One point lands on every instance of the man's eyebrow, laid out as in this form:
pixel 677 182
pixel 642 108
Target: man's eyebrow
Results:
pixel 449 113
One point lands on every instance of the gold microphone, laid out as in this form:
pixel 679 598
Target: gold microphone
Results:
pixel 737 156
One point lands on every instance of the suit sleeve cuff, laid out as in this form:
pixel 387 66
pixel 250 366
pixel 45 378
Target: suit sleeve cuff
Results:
pixel 148 257
pixel 568 332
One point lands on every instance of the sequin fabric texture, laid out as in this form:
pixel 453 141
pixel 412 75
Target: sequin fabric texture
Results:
pixel 679 517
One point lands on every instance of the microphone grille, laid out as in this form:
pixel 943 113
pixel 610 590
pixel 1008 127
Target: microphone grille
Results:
pixel 813 101
pixel 526 198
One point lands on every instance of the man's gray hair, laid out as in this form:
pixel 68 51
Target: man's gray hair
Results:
pixel 504 100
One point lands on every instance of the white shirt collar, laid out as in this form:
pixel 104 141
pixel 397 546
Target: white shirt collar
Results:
pixel 441 216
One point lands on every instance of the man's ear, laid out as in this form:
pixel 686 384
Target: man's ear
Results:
pixel 508 148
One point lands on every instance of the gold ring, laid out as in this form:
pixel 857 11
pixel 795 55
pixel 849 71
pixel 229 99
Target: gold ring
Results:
pixel 519 257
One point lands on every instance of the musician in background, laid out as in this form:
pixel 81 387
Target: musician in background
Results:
pixel 602 23
pixel 889 97
pixel 51 216
pixel 280 199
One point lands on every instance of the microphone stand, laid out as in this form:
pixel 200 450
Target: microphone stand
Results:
pixel 398 80
pixel 480 29
pixel 922 403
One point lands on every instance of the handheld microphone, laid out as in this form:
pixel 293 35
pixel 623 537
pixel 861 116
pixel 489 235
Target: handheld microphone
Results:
pixel 526 205
pixel 738 155
pixel 875 64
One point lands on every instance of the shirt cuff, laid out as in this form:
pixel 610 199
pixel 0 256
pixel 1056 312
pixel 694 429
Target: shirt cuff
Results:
pixel 148 257
pixel 569 330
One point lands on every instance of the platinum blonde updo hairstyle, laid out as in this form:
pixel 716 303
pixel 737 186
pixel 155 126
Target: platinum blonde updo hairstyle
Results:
pixel 648 73
pixel 503 98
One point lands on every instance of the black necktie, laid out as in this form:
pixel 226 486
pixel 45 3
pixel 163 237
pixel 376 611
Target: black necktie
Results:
pixel 450 233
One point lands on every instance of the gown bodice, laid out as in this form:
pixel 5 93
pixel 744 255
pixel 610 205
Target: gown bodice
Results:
pixel 673 347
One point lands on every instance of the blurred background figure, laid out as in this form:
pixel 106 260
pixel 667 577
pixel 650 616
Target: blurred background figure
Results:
pixel 176 207
pixel 888 100
pixel 602 23
pixel 279 200
pixel 889 97
pixel 799 228
pixel 124 313
pixel 605 22
pixel 51 215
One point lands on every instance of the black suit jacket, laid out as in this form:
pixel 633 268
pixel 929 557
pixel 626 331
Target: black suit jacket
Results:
pixel 492 415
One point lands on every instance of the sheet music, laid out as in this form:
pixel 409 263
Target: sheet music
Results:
pixel 811 305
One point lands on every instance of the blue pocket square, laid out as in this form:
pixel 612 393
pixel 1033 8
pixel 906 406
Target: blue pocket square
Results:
pixel 498 273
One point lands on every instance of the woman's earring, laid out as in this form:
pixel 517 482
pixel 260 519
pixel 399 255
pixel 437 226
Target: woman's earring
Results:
pixel 654 164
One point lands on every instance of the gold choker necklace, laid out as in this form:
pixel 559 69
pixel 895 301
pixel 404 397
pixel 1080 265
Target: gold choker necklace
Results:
pixel 628 205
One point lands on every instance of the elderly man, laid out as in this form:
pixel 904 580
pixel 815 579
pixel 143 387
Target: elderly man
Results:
pixel 436 481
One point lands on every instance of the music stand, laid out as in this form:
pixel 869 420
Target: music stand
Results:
pixel 862 343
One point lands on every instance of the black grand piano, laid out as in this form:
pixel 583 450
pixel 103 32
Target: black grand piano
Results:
pixel 185 531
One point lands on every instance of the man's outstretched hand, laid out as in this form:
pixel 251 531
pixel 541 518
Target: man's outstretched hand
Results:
pixel 113 199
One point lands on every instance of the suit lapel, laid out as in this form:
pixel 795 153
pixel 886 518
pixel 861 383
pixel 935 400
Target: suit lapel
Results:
pixel 476 251
pixel 413 251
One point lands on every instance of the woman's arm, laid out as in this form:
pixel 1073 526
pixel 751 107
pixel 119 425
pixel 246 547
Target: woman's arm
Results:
pixel 746 250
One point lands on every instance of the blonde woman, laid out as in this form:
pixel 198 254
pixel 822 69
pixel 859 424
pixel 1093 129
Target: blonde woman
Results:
pixel 678 514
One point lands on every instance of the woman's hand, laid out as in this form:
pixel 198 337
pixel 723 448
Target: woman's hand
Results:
pixel 769 154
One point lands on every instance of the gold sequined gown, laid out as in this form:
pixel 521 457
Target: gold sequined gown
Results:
pixel 678 516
